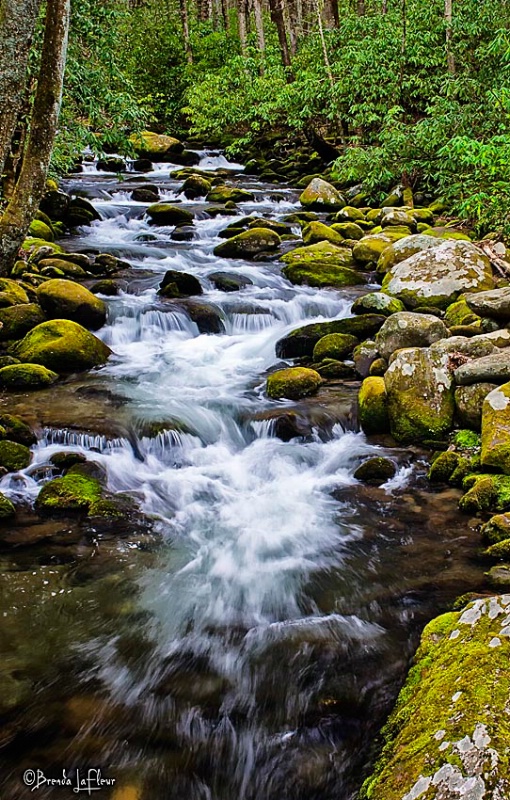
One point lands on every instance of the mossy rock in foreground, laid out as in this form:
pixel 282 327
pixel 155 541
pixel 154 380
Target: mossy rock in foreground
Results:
pixel 449 733
pixel 26 377
pixel 77 494
pixel 293 383
pixel 63 346
pixel 14 456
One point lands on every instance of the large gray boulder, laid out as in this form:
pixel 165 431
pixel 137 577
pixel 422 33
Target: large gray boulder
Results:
pixel 494 303
pixel 406 329
pixel 494 368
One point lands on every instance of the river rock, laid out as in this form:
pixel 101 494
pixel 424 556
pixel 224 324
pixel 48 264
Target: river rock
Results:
pixel 144 194
pixel 403 249
pixel 377 303
pixel 349 214
pixel 489 369
pixel 369 249
pixel 293 383
pixel 61 299
pixel 81 212
pixel 225 194
pixel 321 264
pixel 61 345
pixel 16 321
pixel 420 395
pixel 496 429
pixel 398 217
pixel 373 406
pixel 320 195
pixel 155 146
pixel 405 329
pixel 206 316
pixel 376 471
pixel 228 281
pixel 179 284
pixel 11 293
pixel 494 303
pixel 14 456
pixel 25 377
pixel 468 403
pixel 301 341
pixel 438 276
pixel 364 355
pixel 348 230
pixel 196 186
pixel 474 347
pixel 16 430
pixel 315 232
pixel 166 214
pixel 55 204
pixel 249 244
pixel 445 738
pixel 7 509
pixel 459 313
pixel 112 164
pixel 497 529
pixel 40 230
pixel 334 345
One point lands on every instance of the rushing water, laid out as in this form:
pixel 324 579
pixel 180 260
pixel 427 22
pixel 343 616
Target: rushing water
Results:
pixel 252 648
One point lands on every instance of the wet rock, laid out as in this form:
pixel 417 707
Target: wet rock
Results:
pixel 377 303
pixel 55 204
pixel 16 321
pixel 497 529
pixel 16 430
pixel 179 284
pixel 405 329
pixel 61 345
pixel 61 299
pixel 321 264
pixel 142 165
pixel 278 227
pixel 166 214
pixel 18 377
pixel 420 395
pixel 65 460
pixel 301 341
pixel 80 212
pixel 225 194
pixel 485 493
pixel 334 345
pixel 293 383
pixel 375 471
pixel 315 232
pixel 443 467
pixel 494 368
pixel 76 493
pixel 248 244
pixel 183 233
pixel 196 186
pixel 206 316
pixel 364 356
pixel 320 195
pixel 144 195
pixel 7 509
pixel 106 287
pixel 106 264
pixel 228 281
pixel 438 276
pixel 155 146
pixel 369 249
pixel 348 230
pixel 496 429
pixel 11 293
pixel 111 165
pixel 14 456
pixel 494 303
pixel 373 406
pixel 451 705
pixel 469 401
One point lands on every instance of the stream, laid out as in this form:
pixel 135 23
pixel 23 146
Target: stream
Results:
pixel 251 646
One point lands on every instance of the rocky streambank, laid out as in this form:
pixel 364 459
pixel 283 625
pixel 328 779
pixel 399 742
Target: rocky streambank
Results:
pixel 404 336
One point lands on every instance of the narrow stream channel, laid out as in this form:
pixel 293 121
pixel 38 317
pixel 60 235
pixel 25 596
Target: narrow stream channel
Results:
pixel 250 650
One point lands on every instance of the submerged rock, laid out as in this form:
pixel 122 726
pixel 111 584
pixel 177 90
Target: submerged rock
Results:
pixel 446 737
pixel 293 383
pixel 63 299
pixel 63 346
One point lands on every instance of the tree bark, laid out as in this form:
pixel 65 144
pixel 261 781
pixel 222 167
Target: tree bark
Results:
pixel 259 27
pixel 17 24
pixel 183 5
pixel 276 9
pixel 30 186
pixel 448 15
pixel 243 26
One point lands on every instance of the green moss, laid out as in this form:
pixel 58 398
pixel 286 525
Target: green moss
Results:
pixel 315 232
pixel 26 376
pixel 14 456
pixel 40 230
pixel 167 214
pixel 7 510
pixel 456 684
pixel 334 345
pixel 443 467
pixel 293 383
pixel 497 529
pixel 72 493
pixel 17 430
pixel 249 244
pixel 459 313
pixel 378 303
pixel 467 440
pixel 11 293
pixel 373 406
pixel 499 550
pixel 19 319
pixel 486 493
pixel 348 230
pixel 62 345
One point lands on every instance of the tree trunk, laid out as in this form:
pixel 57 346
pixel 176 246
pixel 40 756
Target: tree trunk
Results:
pixel 325 56
pixel 330 14
pixel 259 27
pixel 17 24
pixel 448 15
pixel 183 4
pixel 31 183
pixel 276 9
pixel 361 8
pixel 225 12
pixel 243 27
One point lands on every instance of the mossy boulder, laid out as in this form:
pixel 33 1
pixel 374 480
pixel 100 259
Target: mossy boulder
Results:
pixel 496 429
pixel 438 276
pixel 293 383
pixel 69 494
pixel 155 146
pixel 420 393
pixel 301 341
pixel 53 267
pixel 459 313
pixel 61 299
pixel 375 471
pixel 448 734
pixel 497 529
pixel 18 377
pixel 349 214
pixel 18 320
pixel 377 303
pixel 469 402
pixel 443 467
pixel 320 195
pixel 485 492
pixel 41 230
pixel 348 230
pixel 16 430
pixel 373 406
pixel 334 345
pixel 7 510
pixel 179 284
pixel 14 456
pixel 403 249
pixel 226 194
pixel 315 232
pixel 11 293
pixel 406 329
pixel 321 264
pixel 62 345
pixel 196 186
pixel 249 244
pixel 369 249
pixel 167 214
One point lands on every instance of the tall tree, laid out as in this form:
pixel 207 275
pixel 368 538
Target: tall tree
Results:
pixel 17 25
pixel 30 185
pixel 276 9
pixel 183 7
pixel 259 27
